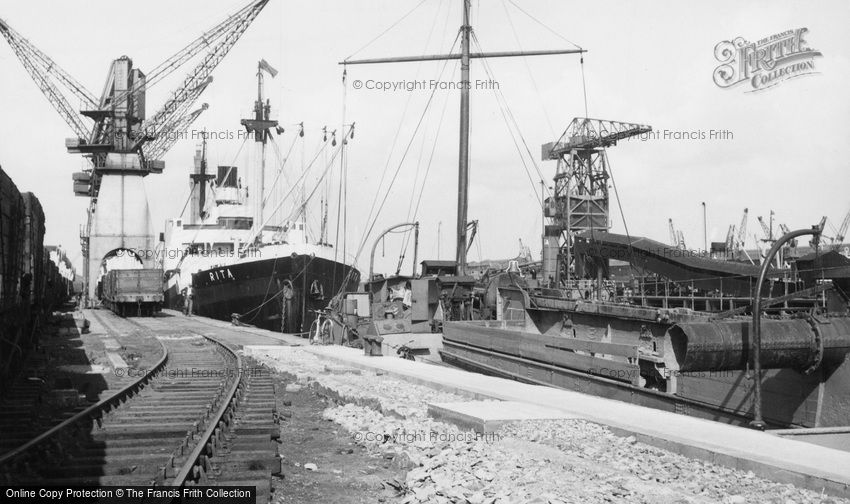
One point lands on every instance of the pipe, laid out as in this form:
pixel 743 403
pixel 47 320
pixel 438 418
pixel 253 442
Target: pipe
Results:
pixel 758 421
pixel 375 246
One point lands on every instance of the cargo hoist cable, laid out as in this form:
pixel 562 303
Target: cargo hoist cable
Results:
pixel 385 170
pixel 510 117
pixel 410 208
pixel 295 184
pixel 280 169
pixel 374 218
pixel 425 177
pixel 554 32
pixel 373 215
pixel 504 109
pixel 528 69
pixel 266 298
pixel 399 20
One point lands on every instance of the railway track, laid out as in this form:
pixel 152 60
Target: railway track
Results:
pixel 27 408
pixel 199 416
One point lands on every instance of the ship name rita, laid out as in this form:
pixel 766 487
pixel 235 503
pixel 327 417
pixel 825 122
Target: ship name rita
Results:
pixel 221 275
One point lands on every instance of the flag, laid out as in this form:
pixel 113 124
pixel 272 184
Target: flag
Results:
pixel 264 65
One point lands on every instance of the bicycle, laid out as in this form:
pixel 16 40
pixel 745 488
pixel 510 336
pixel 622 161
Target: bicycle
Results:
pixel 322 329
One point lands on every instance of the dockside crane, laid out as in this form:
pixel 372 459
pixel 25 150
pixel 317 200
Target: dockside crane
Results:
pixel 113 132
pixel 785 230
pixel 580 201
pixel 677 239
pixel 768 230
pixel 730 239
pixel 43 70
pixel 157 148
pixel 842 231
pixel 742 232
pixel 673 239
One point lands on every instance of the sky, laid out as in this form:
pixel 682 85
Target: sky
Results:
pixel 650 62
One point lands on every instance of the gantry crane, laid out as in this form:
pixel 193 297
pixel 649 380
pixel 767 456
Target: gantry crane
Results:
pixel 123 144
pixel 580 201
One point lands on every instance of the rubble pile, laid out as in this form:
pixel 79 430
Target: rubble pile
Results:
pixel 390 395
pixel 551 461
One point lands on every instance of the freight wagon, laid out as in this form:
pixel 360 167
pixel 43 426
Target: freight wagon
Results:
pixel 130 292
pixel 30 283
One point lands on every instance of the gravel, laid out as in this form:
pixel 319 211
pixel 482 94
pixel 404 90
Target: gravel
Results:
pixel 551 461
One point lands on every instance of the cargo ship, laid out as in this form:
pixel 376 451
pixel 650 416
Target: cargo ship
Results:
pixel 241 266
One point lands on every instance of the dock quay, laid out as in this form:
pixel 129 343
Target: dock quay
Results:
pixel 764 455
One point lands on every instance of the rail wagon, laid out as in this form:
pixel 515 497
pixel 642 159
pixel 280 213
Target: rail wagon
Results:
pixel 133 292
pixel 30 283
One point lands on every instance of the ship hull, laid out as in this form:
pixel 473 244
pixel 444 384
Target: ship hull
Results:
pixel 576 348
pixel 279 294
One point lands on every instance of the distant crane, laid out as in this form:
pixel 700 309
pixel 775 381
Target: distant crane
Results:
pixel 673 239
pixel 677 239
pixel 785 230
pixel 768 230
pixel 842 231
pixel 742 231
pixel 730 238
pixel 770 238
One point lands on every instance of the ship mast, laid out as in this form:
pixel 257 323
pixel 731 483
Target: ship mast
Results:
pixel 200 179
pixel 463 156
pixel 260 125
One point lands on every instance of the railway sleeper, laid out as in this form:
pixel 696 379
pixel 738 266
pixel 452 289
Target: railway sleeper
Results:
pixel 265 415
pixel 131 447
pixel 259 462
pixel 248 443
pixel 139 431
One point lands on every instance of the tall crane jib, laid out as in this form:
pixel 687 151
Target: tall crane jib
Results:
pixel 842 231
pixel 113 132
pixel 742 231
pixel 580 200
